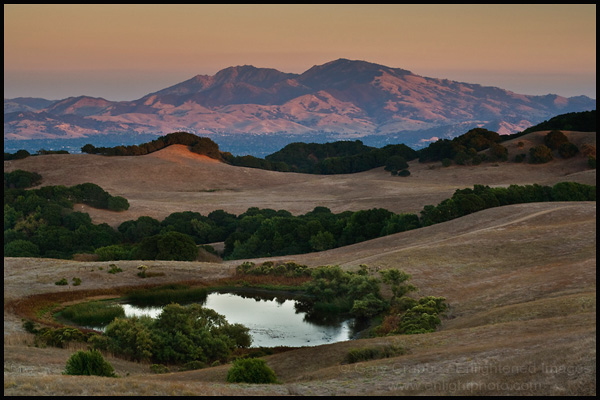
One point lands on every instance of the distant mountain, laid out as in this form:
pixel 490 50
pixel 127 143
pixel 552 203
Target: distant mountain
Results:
pixel 342 98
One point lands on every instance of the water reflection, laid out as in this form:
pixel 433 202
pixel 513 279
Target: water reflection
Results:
pixel 272 320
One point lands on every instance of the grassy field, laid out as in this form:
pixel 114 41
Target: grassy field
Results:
pixel 520 280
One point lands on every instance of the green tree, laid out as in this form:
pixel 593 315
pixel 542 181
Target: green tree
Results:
pixel 322 241
pixel 395 163
pixel 21 248
pixel 191 333
pixel 167 246
pixel 117 203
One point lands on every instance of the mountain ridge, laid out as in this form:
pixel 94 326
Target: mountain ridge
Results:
pixel 345 98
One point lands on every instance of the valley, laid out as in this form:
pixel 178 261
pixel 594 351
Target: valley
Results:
pixel 520 280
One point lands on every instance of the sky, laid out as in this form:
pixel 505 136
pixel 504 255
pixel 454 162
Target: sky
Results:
pixel 123 52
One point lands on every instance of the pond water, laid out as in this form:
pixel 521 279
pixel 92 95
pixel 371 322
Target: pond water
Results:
pixel 273 321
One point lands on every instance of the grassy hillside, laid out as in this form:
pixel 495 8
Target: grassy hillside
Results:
pixel 520 280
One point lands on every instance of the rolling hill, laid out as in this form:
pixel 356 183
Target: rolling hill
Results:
pixel 520 280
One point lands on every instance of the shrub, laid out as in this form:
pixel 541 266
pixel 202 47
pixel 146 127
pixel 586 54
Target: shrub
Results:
pixel 62 282
pixel 114 269
pixel 130 337
pixel 554 139
pixel 372 353
pixel 520 157
pixel 192 365
pixel 159 368
pixel 540 154
pixel 89 363
pixel 251 370
pixel 404 172
pixel 60 336
pixel 567 150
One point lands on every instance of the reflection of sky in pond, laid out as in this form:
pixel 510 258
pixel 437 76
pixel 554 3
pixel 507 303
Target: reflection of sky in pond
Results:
pixel 133 311
pixel 274 324
pixel 271 323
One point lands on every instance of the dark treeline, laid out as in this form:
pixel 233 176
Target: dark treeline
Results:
pixel 199 145
pixel 584 121
pixel 21 154
pixel 41 223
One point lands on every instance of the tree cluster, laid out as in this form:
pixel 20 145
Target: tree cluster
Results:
pixel 464 149
pixel 584 121
pixel 467 201
pixel 199 145
pixel 41 222
pixel 180 334
pixel 20 179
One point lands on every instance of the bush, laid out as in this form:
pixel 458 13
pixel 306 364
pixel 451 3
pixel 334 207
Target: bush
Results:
pixel 520 157
pixel 540 155
pixel 567 150
pixel 159 368
pixel 89 363
pixel 554 139
pixel 372 353
pixel 251 370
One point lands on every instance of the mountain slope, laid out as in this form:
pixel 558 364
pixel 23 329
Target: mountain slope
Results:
pixel 342 97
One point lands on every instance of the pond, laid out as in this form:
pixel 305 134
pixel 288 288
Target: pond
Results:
pixel 273 321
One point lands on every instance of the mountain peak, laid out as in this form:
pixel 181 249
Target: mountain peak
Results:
pixel 341 71
pixel 261 77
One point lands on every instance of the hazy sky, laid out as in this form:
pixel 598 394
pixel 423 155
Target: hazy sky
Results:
pixel 123 52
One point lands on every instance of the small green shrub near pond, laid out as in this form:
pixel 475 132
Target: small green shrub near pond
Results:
pixel 89 363
pixel 251 370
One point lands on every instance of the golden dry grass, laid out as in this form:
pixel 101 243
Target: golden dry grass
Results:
pixel 520 281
